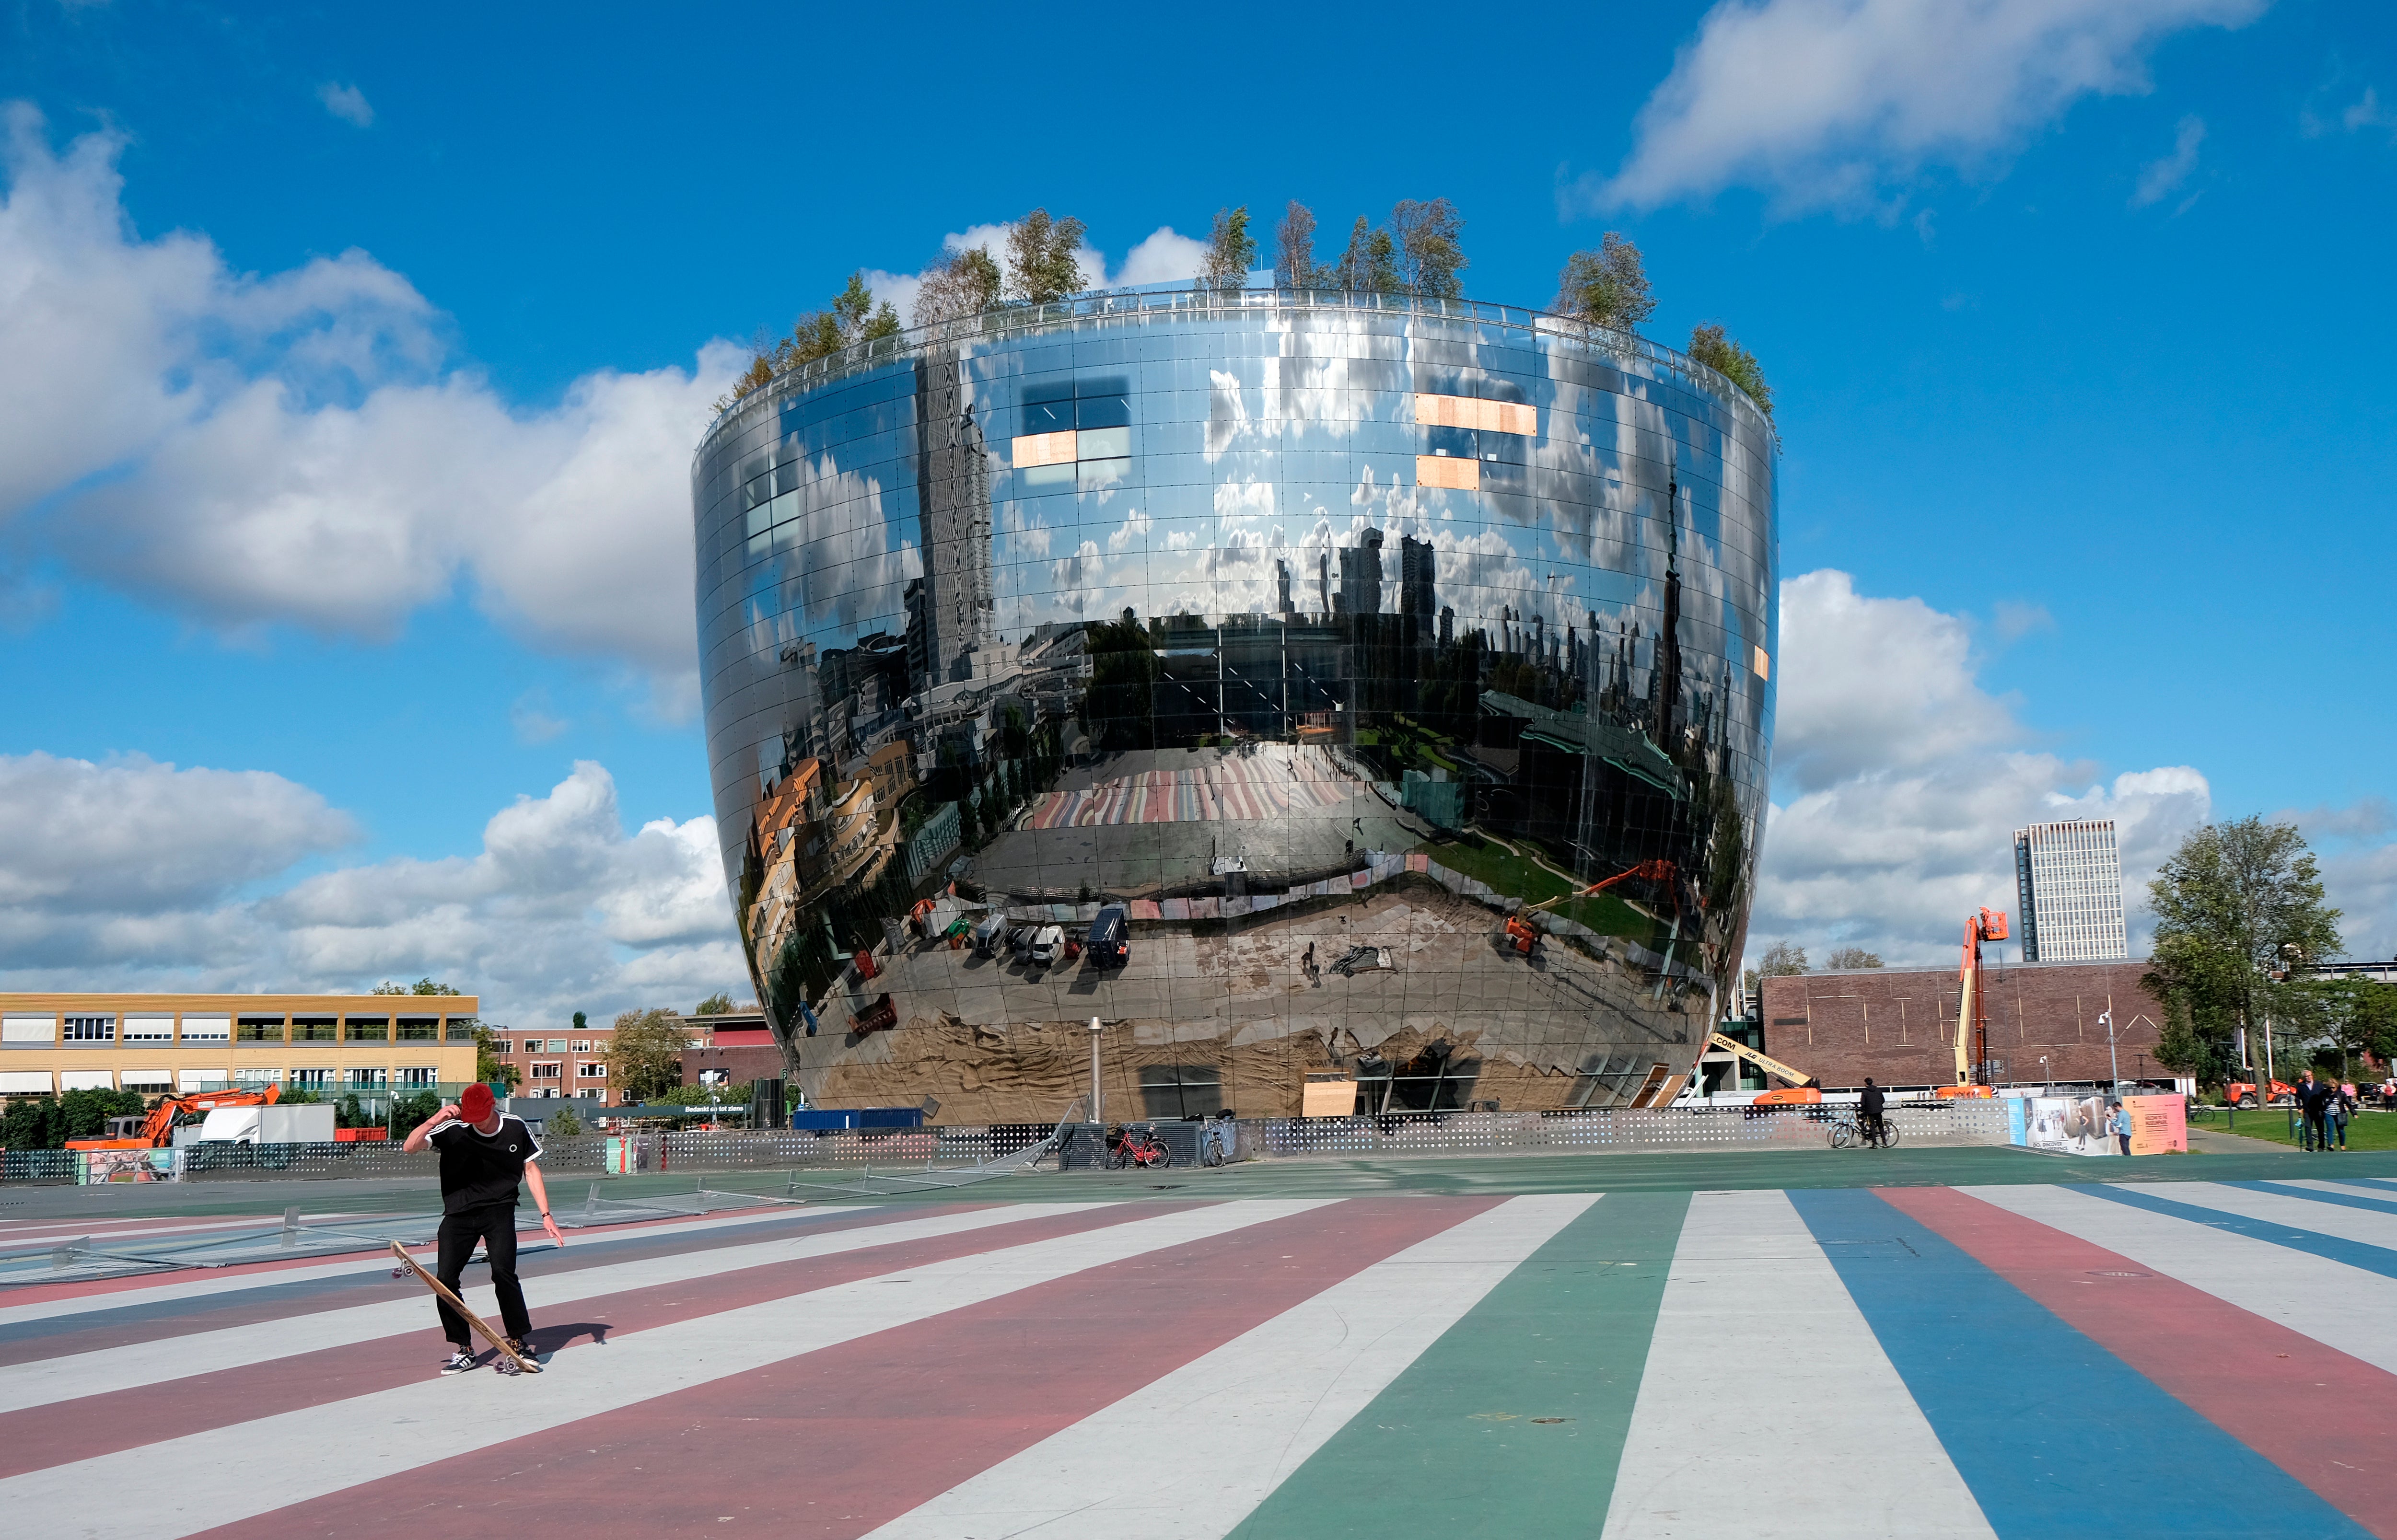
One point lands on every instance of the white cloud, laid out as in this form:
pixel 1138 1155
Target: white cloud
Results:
pixel 1909 780
pixel 2164 175
pixel 135 875
pixel 2366 112
pixel 1164 257
pixel 298 446
pixel 346 103
pixel 530 719
pixel 1830 102
pixel 1160 257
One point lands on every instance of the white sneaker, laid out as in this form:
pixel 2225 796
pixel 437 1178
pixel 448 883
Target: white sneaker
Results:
pixel 456 1363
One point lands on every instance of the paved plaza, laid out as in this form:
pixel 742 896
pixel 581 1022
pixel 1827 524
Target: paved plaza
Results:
pixel 1939 1343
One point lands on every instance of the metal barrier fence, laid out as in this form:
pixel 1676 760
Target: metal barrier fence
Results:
pixel 1963 1122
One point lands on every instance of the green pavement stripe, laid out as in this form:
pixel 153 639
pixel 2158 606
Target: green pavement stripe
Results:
pixel 1451 1447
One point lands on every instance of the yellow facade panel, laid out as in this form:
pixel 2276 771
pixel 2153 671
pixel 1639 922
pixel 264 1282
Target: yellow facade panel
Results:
pixel 1471 411
pixel 1762 663
pixel 1044 448
pixel 1461 476
pixel 1520 418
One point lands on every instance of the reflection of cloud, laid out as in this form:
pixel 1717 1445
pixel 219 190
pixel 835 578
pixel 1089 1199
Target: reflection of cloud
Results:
pixel 1227 418
pixel 1075 580
pixel 1160 257
pixel 1135 525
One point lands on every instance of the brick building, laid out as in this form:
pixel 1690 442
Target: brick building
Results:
pixel 1898 1024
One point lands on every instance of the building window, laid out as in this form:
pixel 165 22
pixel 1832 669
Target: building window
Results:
pixel 207 1029
pixel 369 1029
pixel 582 1045
pixel 251 1078
pixel 91 1029
pixel 589 1072
pixel 310 1080
pixel 315 1029
pixel 149 1029
pixel 557 1045
pixel 257 1029
pixel 420 1029
pixel 418 1079
pixel 1181 1090
pixel 548 1071
pixel 366 1080
pixel 42 1031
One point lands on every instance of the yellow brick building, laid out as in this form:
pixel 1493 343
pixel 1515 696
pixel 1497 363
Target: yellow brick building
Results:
pixel 331 1044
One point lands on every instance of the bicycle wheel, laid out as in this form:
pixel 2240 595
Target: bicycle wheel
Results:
pixel 1889 1136
pixel 1842 1135
pixel 1118 1157
pixel 1164 1157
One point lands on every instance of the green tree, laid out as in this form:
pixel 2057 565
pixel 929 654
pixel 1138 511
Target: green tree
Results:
pixel 1370 263
pixel 1294 249
pixel 490 1068
pixel 645 1060
pixel 33 1124
pixel 716 1004
pixel 1851 957
pixel 565 1125
pixel 2355 1016
pixel 1043 261
pixel 1606 288
pixel 1783 960
pixel 1230 251
pixel 1709 346
pixel 421 987
pixel 2238 907
pixel 1428 253
pixel 967 284
pixel 2184 1049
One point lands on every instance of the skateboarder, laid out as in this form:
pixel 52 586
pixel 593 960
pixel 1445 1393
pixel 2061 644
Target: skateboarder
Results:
pixel 484 1154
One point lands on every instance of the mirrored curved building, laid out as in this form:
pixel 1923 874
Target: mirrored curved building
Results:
pixel 1270 676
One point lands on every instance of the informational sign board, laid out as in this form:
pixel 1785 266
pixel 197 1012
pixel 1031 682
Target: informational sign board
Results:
pixel 2069 1125
pixel 1327 1099
pixel 2159 1124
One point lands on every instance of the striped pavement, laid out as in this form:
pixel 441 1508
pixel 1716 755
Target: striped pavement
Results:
pixel 2192 1357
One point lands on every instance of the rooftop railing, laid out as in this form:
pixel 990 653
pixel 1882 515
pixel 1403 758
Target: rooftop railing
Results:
pixel 1624 349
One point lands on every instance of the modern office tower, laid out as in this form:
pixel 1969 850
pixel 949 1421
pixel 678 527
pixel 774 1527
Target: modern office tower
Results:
pixel 2069 877
pixel 1210 622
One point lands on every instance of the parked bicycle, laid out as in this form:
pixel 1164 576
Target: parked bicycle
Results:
pixel 1849 1132
pixel 1137 1148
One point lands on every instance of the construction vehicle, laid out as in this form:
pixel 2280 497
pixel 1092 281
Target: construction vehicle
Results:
pixel 1972 1009
pixel 1522 935
pixel 158 1128
pixel 1803 1089
pixel 2243 1094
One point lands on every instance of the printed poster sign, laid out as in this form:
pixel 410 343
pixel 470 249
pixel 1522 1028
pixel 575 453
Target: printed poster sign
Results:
pixel 2159 1125
pixel 2069 1125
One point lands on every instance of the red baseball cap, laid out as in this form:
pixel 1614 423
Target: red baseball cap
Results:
pixel 475 1105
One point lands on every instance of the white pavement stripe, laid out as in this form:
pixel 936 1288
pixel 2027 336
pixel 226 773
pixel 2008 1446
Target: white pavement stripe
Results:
pixel 199 1285
pixel 42 1381
pixel 128 1232
pixel 2338 1305
pixel 180 1486
pixel 1192 1453
pixel 1725 1441
pixel 2298 1214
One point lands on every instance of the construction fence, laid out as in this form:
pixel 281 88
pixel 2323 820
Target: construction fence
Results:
pixel 1945 1123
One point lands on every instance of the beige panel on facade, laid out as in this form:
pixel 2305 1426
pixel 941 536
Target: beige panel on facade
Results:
pixel 1519 418
pixel 1044 448
pixel 1762 663
pixel 1468 411
pixel 1461 476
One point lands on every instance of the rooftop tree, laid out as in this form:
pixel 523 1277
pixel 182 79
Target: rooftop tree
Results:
pixel 1294 249
pixel 1230 250
pixel 1043 264
pixel 1606 288
pixel 968 283
pixel 1429 258
pixel 1709 346
pixel 1370 263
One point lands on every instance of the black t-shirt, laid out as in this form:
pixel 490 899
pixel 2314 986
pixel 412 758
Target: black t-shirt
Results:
pixel 478 1169
pixel 1870 1102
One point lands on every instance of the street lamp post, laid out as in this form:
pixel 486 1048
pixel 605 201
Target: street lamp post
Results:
pixel 1097 1114
pixel 2113 1058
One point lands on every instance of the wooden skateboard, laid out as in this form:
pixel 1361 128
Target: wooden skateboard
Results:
pixel 511 1362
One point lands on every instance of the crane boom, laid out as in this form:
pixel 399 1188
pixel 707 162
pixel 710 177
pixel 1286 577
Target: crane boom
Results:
pixel 1971 1007
pixel 1762 1061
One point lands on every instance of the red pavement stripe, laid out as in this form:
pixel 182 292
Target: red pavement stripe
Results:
pixel 838 1441
pixel 41 1437
pixel 240 1307
pixel 2327 1419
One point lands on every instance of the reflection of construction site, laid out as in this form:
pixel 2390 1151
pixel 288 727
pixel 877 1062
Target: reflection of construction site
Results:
pixel 1408 991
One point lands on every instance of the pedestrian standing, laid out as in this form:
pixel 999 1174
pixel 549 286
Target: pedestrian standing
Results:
pixel 485 1155
pixel 2120 1125
pixel 2313 1105
pixel 2342 1108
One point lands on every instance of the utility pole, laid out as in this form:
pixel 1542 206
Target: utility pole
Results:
pixel 2112 1058
pixel 1097 1114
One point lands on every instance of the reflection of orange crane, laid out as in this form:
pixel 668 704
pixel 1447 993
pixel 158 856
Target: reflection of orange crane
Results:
pixel 1972 1009
pixel 159 1127
pixel 1523 934
pixel 1803 1089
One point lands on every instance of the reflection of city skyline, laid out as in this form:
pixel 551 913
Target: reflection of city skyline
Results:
pixel 1447 647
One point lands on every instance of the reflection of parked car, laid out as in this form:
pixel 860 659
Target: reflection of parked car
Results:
pixel 1048 943
pixel 1110 941
pixel 988 934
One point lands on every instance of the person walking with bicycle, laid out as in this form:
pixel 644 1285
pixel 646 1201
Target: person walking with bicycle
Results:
pixel 1868 1112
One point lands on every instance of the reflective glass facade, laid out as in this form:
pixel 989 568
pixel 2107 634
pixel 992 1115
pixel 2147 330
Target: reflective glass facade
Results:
pixel 1232 669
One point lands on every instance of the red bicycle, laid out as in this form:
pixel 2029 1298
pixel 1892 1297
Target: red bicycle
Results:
pixel 1137 1147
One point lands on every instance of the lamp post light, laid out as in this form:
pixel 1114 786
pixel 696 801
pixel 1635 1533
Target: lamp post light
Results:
pixel 2113 1058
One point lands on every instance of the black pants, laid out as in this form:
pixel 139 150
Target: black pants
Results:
pixel 495 1226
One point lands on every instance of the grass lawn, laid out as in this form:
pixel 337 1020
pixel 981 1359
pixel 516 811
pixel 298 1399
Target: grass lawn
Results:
pixel 1508 873
pixel 2367 1131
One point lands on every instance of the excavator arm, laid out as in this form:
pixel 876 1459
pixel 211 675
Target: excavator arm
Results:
pixel 1659 871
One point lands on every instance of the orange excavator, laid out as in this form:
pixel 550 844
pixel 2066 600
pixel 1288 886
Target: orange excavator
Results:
pixel 158 1128
pixel 1973 1010
pixel 1522 935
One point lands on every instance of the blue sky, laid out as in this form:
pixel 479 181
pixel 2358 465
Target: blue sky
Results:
pixel 358 360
